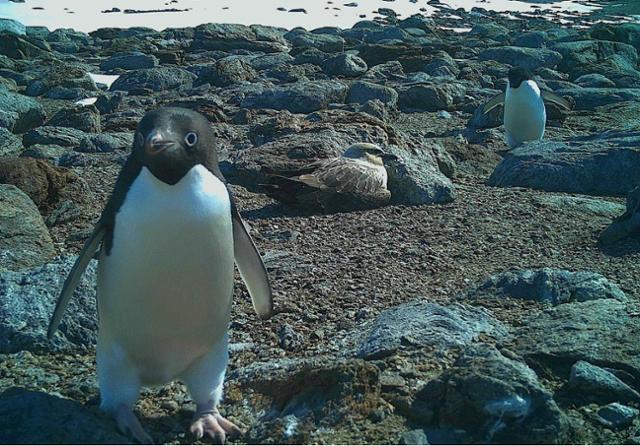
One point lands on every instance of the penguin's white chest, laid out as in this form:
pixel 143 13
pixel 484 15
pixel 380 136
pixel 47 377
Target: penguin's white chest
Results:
pixel 524 114
pixel 165 290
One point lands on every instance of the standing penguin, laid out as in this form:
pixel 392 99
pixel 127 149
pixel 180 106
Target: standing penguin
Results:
pixel 525 115
pixel 167 240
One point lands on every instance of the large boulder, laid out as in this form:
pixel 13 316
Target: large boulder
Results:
pixel 227 71
pixel 10 144
pixel 154 79
pixel 419 324
pixel 607 165
pixel 81 117
pixel 361 91
pixel 27 301
pixel 21 112
pixel 554 286
pixel 529 58
pixel 129 61
pixel 487 397
pixel 24 238
pixel 229 37
pixel 602 331
pixel 301 97
pixel 432 97
pixel 345 64
pixel 12 26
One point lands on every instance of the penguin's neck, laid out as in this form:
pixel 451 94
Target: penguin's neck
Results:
pixel 526 92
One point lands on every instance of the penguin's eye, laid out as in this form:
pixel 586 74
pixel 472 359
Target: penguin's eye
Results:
pixel 191 139
pixel 139 139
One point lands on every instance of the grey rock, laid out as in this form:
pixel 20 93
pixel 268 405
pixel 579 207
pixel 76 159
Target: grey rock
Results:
pixel 606 164
pixel 491 30
pixel 25 113
pixel 229 37
pixel 534 39
pixel 602 331
pixel 227 71
pixel 416 436
pixel 415 177
pixel 420 323
pixel 27 303
pixel 590 97
pixel 628 33
pixel 301 97
pixel 600 208
pixel 362 91
pixel 594 80
pixel 50 152
pixel 106 142
pixel 154 79
pixel 81 117
pixel 30 417
pixel 24 238
pixel 617 416
pixel 268 61
pixel 529 58
pixel 110 102
pixel 554 286
pixel 10 144
pixel 323 42
pixel 345 64
pixel 12 26
pixel 427 97
pixel 592 384
pixel 21 48
pixel 495 399
pixel 627 224
pixel 61 136
pixel 130 61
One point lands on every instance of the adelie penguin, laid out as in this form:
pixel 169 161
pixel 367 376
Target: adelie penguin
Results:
pixel 525 115
pixel 167 240
pixel 354 181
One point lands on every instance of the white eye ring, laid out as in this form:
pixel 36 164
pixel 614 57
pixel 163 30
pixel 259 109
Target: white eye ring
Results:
pixel 191 139
pixel 139 139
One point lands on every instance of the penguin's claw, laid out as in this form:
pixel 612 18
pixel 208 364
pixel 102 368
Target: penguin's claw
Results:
pixel 214 426
pixel 129 424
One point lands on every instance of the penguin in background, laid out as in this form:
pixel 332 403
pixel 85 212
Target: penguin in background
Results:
pixel 525 115
pixel 167 240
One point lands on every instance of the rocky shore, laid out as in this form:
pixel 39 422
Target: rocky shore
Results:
pixel 494 300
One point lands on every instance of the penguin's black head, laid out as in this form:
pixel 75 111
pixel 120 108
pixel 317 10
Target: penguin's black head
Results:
pixel 517 75
pixel 169 141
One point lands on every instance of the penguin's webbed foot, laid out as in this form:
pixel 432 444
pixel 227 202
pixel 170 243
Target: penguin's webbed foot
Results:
pixel 208 421
pixel 129 424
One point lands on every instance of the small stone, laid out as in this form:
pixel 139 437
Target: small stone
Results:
pixel 593 384
pixel 289 338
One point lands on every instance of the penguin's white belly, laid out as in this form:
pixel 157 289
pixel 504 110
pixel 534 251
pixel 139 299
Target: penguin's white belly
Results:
pixel 524 114
pixel 164 292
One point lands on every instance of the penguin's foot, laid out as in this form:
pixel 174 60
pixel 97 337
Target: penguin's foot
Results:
pixel 208 421
pixel 129 424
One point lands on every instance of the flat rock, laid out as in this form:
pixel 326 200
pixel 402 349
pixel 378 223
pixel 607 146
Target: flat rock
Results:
pixel 361 91
pixel 489 398
pixel 229 37
pixel 529 58
pixel 606 164
pixel 420 324
pixel 61 136
pixel 130 61
pixel 601 208
pixel 591 97
pixel 592 384
pixel 27 302
pixel 301 97
pixel 603 331
pixel 24 238
pixel 554 286
pixel 616 415
pixel 154 79
pixel 30 417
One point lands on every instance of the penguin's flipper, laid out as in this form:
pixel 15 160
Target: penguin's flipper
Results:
pixel 251 267
pixel 70 284
pixel 554 98
pixel 494 102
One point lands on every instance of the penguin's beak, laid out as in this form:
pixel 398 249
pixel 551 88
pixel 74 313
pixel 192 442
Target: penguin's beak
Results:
pixel 156 143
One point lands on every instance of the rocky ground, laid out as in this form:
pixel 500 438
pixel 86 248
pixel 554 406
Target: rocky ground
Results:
pixel 481 306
